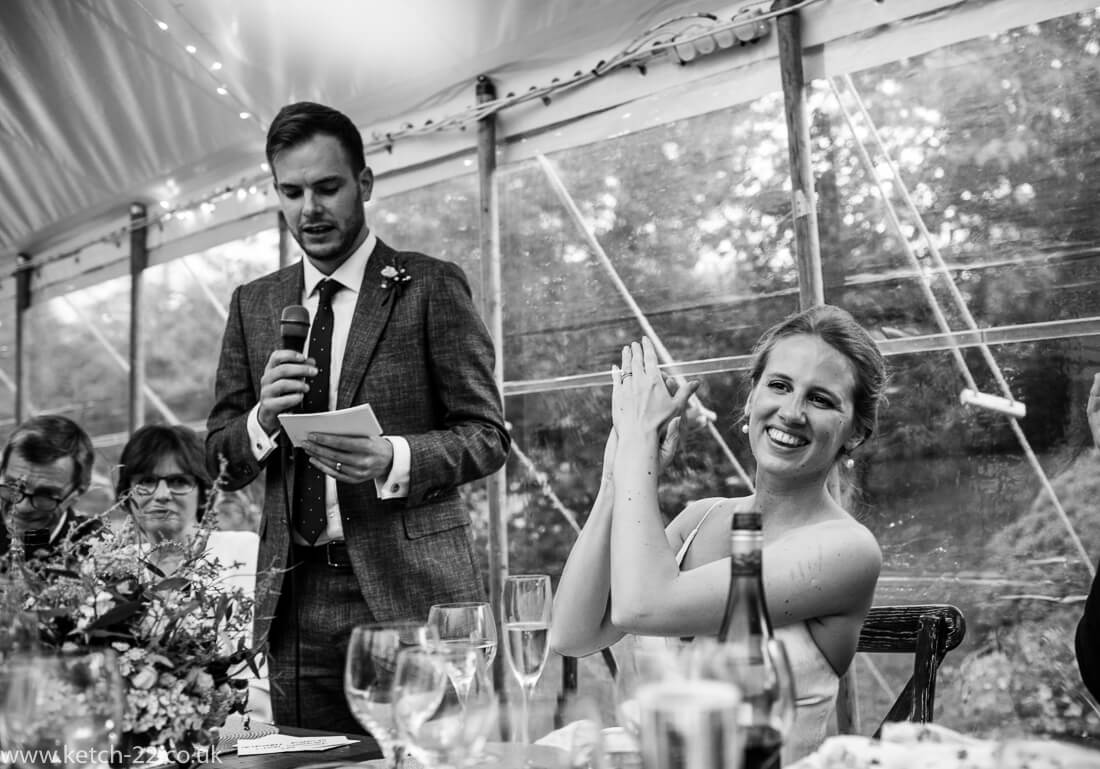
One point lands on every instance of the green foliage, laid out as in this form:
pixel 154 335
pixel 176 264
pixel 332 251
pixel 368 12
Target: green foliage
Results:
pixel 995 140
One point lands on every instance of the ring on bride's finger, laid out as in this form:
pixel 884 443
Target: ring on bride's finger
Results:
pixel 624 375
pixel 338 466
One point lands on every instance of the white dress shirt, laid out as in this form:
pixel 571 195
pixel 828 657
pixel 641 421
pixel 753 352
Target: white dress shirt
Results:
pixel 350 275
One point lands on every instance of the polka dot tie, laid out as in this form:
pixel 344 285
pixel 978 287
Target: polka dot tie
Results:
pixel 309 485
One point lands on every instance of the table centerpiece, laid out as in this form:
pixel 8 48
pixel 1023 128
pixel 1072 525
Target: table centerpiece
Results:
pixel 182 639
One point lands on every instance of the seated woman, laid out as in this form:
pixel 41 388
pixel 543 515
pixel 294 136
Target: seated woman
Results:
pixel 163 482
pixel 816 382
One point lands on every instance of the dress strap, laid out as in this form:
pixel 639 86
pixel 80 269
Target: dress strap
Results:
pixel 691 534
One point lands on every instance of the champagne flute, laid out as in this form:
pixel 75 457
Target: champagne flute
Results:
pixel 63 710
pixel 440 728
pixel 369 675
pixel 464 625
pixel 525 616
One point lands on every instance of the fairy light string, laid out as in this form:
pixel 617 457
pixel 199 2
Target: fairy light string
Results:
pixel 685 37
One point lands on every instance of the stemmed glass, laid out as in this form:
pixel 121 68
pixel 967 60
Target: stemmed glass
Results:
pixel 63 706
pixel 369 677
pixel 440 727
pixel 525 616
pixel 463 625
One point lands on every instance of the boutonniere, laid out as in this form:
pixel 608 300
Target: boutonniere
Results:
pixel 394 275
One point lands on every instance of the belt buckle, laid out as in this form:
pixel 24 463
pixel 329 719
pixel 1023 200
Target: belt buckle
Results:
pixel 328 556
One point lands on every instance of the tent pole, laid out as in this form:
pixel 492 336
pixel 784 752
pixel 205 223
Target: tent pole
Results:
pixel 811 289
pixel 22 306
pixel 492 313
pixel 139 260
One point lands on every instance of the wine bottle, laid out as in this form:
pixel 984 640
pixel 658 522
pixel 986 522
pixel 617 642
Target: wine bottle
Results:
pixel 742 648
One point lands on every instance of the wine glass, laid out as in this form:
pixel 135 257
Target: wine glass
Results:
pixel 525 616
pixel 369 674
pixel 463 625
pixel 63 710
pixel 440 727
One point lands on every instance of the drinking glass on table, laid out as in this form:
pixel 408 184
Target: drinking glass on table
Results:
pixel 767 691
pixel 369 676
pixel 441 728
pixel 643 660
pixel 465 625
pixel 63 705
pixel 525 616
pixel 690 724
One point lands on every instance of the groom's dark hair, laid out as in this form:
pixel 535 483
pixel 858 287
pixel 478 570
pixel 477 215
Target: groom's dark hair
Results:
pixel 301 121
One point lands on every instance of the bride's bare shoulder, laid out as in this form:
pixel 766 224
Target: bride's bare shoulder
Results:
pixel 842 532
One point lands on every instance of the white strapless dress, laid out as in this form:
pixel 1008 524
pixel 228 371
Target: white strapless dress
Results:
pixel 816 683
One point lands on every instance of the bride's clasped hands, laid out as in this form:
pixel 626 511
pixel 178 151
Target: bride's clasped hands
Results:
pixel 641 404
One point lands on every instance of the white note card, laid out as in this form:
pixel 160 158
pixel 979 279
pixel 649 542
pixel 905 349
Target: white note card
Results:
pixel 284 743
pixel 356 420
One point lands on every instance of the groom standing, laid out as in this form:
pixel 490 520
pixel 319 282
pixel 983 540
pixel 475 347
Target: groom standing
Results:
pixel 371 528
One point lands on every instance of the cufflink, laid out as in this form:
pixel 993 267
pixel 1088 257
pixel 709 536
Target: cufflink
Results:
pixel 395 488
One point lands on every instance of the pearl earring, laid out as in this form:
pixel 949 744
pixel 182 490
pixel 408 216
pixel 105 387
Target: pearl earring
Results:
pixel 745 428
pixel 849 462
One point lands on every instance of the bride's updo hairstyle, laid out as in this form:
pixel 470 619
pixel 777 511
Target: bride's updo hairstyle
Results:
pixel 838 329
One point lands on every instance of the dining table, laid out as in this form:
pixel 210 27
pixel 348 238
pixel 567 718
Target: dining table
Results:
pixel 363 755
pixel 361 750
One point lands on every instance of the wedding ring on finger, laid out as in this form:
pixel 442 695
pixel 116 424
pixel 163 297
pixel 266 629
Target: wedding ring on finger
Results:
pixel 624 375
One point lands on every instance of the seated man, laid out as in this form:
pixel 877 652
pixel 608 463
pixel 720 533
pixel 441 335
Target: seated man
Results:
pixel 44 469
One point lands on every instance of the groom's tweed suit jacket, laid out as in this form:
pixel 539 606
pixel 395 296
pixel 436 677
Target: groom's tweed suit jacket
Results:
pixel 420 355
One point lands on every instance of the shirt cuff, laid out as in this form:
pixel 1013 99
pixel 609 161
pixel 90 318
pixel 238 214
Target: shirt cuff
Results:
pixel 396 484
pixel 259 441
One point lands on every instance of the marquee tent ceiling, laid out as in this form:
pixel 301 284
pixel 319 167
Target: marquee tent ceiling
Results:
pixel 107 102
pixel 99 106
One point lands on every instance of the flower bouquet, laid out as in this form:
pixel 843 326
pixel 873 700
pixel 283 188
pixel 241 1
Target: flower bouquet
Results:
pixel 182 640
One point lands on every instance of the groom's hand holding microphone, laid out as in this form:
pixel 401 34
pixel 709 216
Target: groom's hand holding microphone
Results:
pixel 284 382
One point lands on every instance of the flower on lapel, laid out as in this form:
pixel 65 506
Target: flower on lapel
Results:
pixel 394 275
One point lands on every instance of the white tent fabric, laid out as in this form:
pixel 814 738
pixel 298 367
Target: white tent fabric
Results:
pixel 99 106
pixel 108 102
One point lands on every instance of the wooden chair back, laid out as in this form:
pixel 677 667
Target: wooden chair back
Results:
pixel 928 632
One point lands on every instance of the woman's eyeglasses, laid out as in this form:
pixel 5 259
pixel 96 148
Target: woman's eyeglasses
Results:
pixel 146 485
pixel 42 501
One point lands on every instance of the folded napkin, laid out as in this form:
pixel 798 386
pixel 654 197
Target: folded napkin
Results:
pixel 578 739
pixel 583 739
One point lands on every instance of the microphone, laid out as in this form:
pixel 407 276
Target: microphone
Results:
pixel 294 327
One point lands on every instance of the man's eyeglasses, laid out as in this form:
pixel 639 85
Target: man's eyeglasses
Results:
pixel 146 485
pixel 42 501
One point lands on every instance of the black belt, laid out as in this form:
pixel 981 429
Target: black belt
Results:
pixel 334 554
